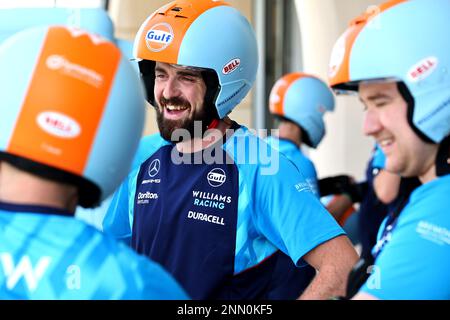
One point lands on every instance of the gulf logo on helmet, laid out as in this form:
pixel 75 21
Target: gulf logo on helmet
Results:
pixel 159 37
pixel 216 177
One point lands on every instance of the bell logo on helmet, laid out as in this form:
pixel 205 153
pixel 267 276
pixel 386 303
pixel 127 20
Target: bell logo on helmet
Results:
pixel 58 124
pixel 231 66
pixel 159 37
pixel 422 69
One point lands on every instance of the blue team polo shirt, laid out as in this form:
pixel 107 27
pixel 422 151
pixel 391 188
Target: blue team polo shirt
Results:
pixel 415 262
pixel 302 162
pixel 217 226
pixel 45 254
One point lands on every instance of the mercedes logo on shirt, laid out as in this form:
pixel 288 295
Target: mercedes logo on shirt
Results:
pixel 153 168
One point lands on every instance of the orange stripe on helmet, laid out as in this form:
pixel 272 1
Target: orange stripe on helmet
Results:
pixel 339 71
pixel 276 100
pixel 163 33
pixel 66 97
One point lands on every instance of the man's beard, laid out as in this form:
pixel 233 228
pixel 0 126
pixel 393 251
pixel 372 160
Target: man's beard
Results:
pixel 168 128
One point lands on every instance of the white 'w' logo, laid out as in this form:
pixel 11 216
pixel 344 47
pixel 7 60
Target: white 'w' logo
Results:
pixel 23 269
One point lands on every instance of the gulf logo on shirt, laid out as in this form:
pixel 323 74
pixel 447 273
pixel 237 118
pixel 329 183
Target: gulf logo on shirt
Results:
pixel 159 37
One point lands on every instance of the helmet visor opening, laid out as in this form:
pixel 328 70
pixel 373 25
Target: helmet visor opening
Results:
pixel 210 77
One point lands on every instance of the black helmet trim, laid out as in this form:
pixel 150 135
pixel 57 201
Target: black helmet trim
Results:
pixel 407 96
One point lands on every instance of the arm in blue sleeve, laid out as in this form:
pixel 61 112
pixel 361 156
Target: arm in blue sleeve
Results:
pixel 289 214
pixel 118 220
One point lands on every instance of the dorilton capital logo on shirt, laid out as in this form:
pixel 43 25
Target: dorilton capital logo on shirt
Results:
pixel 144 198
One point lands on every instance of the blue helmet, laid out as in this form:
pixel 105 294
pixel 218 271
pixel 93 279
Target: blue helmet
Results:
pixel 303 99
pixel 207 34
pixel 73 95
pixel 407 42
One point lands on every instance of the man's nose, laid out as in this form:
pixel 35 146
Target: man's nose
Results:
pixel 372 123
pixel 171 89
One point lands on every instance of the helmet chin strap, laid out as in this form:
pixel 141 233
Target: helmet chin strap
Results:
pixel 213 125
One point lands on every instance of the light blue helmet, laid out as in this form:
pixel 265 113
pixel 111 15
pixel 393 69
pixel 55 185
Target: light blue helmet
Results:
pixel 408 42
pixel 303 99
pixel 94 20
pixel 207 34
pixel 73 95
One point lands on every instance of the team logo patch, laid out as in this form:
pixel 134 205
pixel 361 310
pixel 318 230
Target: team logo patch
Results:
pixel 231 66
pixel 422 69
pixel 154 167
pixel 159 37
pixel 58 124
pixel 216 177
